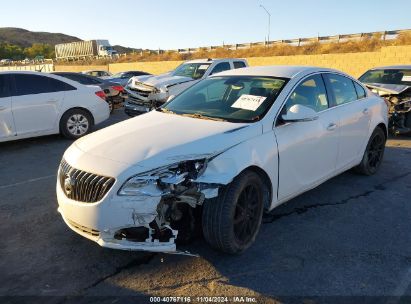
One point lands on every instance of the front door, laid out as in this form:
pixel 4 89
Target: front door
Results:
pixel 307 149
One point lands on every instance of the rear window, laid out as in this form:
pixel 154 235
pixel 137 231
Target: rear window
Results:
pixel 80 79
pixel 26 84
pixel 239 64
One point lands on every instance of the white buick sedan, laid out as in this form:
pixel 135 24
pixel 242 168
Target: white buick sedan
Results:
pixel 35 104
pixel 217 156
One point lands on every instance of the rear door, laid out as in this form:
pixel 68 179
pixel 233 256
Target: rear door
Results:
pixel 351 103
pixel 36 102
pixel 7 128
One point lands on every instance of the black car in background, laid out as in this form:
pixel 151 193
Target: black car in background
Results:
pixel 123 77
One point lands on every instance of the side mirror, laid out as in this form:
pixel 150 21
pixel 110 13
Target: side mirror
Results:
pixel 300 113
pixel 170 98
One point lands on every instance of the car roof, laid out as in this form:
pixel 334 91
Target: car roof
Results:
pixel 51 75
pixel 393 67
pixel 22 72
pixel 282 71
pixel 211 60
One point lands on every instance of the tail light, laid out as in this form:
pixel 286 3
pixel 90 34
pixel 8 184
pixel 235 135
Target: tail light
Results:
pixel 118 88
pixel 101 94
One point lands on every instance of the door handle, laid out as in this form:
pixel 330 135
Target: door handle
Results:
pixel 52 101
pixel 2 108
pixel 365 111
pixel 331 127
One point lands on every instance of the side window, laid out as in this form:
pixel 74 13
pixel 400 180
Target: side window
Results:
pixel 35 84
pixel 310 93
pixel 4 86
pixel 239 64
pixel 222 66
pixel 342 88
pixel 58 86
pixel 360 91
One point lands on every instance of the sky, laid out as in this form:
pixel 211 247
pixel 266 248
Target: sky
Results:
pixel 176 24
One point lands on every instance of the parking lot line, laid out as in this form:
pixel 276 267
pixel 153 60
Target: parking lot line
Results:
pixel 27 181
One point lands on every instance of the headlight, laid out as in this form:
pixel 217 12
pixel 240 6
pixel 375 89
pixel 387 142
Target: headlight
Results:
pixel 162 180
pixel 160 90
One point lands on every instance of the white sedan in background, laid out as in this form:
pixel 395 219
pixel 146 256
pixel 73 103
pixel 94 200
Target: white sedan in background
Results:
pixel 34 104
pixel 218 155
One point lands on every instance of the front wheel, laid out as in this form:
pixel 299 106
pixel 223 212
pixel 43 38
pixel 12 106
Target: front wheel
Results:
pixel 232 220
pixel 75 123
pixel 373 154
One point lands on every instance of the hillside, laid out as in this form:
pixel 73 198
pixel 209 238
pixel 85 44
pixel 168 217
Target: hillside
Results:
pixel 24 38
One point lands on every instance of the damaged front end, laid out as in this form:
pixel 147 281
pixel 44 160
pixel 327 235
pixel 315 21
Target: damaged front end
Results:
pixel 398 100
pixel 142 98
pixel 175 198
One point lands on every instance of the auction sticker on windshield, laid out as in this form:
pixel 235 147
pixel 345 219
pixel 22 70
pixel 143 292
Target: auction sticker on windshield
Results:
pixel 248 102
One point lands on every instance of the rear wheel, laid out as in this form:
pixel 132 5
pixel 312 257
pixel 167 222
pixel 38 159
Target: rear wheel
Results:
pixel 110 105
pixel 373 154
pixel 408 120
pixel 75 123
pixel 232 220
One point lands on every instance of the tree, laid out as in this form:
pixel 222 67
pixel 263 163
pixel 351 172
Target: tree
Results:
pixel 39 49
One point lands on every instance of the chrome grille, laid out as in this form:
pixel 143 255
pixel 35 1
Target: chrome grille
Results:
pixel 142 90
pixel 82 186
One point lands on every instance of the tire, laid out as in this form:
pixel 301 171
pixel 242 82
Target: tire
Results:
pixel 373 154
pixel 110 105
pixel 75 123
pixel 227 225
pixel 408 120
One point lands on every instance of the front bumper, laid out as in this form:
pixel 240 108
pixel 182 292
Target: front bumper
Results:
pixel 101 221
pixel 133 109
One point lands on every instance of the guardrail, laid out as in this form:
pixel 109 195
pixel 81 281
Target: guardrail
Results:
pixel 385 35
pixel 34 67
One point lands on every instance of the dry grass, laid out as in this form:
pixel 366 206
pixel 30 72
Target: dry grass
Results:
pixel 366 44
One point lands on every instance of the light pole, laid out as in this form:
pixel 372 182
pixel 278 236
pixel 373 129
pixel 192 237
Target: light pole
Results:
pixel 269 25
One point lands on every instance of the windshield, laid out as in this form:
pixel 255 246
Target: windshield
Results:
pixel 393 76
pixel 230 98
pixel 192 70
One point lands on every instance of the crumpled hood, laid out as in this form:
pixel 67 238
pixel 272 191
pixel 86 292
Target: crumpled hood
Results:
pixel 163 80
pixel 156 139
pixel 394 89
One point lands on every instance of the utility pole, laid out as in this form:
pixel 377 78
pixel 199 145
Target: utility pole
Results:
pixel 269 23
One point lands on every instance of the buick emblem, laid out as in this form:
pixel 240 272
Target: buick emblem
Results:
pixel 68 184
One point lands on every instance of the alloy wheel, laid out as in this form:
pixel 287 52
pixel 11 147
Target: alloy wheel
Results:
pixel 246 214
pixel 78 124
pixel 375 151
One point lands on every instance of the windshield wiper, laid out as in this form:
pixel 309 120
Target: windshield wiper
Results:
pixel 201 116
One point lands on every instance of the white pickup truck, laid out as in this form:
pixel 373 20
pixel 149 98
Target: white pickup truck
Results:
pixel 145 93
